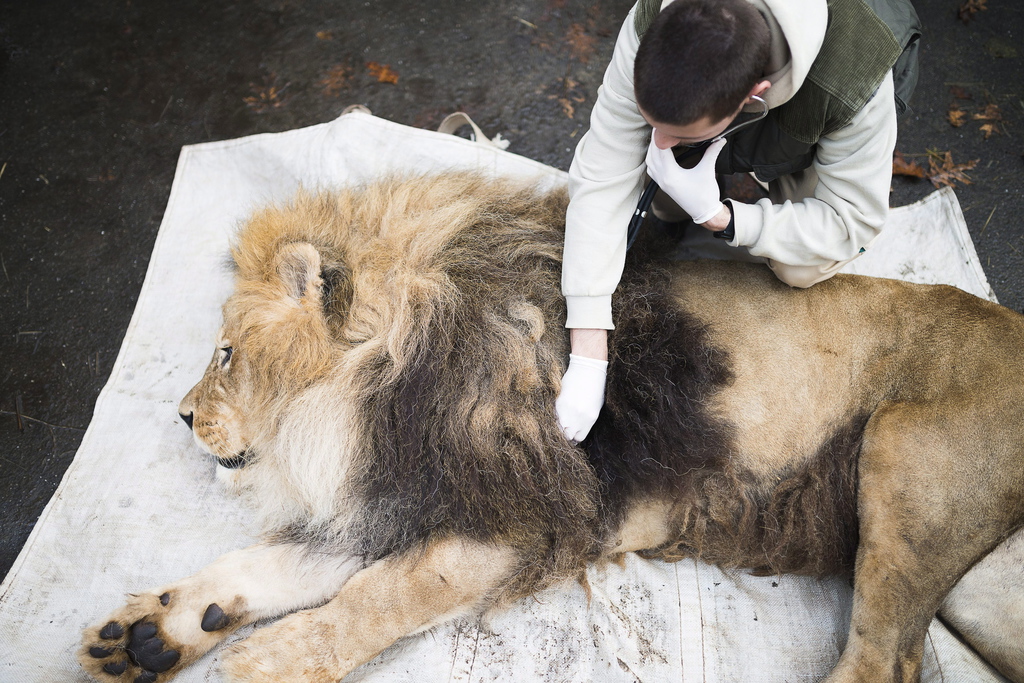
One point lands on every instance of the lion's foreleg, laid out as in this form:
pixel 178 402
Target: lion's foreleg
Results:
pixel 159 632
pixel 390 599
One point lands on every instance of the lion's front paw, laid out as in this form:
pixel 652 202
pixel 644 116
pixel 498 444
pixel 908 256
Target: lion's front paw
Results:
pixel 299 648
pixel 150 639
pixel 130 646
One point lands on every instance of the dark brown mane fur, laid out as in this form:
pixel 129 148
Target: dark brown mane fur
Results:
pixel 461 439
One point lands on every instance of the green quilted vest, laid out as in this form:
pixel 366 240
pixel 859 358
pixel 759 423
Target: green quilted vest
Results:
pixel 863 41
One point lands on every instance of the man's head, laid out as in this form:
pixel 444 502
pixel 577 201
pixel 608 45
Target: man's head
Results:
pixel 699 62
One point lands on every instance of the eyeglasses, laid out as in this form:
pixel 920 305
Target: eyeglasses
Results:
pixel 754 118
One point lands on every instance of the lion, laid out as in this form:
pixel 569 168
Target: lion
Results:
pixel 383 394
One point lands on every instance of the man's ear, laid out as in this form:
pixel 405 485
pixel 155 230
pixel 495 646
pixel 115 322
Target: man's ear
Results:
pixel 759 89
pixel 299 267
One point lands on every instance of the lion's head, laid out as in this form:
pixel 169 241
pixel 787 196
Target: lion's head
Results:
pixel 274 341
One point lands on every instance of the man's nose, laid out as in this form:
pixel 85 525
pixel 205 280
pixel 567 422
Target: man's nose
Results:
pixel 662 141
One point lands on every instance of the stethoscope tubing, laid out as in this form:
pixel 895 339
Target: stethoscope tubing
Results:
pixel 647 196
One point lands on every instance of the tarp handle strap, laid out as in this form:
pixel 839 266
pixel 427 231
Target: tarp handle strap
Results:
pixel 458 119
pixel 361 108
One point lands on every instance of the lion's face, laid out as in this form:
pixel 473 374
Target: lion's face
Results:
pixel 274 343
pixel 215 409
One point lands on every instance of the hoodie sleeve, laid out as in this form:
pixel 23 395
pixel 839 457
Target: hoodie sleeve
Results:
pixel 848 205
pixel 605 180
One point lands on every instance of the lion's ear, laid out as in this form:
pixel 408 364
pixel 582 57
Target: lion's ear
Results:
pixel 299 267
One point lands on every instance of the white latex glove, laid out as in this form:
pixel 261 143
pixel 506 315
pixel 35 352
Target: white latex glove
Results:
pixel 695 189
pixel 582 396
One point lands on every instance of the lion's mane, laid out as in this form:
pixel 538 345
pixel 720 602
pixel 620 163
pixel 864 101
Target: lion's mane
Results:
pixel 422 402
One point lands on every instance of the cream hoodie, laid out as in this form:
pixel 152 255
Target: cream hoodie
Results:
pixel 830 221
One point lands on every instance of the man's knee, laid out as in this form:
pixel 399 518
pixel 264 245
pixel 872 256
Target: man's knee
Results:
pixel 804 276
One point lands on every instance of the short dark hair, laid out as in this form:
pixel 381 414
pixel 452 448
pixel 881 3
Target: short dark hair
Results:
pixel 700 58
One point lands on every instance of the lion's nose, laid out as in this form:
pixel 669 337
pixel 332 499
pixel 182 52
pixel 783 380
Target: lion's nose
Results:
pixel 187 419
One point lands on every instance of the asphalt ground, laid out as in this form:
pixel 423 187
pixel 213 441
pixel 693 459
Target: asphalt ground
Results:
pixel 97 98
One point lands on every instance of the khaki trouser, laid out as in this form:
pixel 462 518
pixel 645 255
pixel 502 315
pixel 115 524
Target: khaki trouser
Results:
pixel 700 243
pixel 796 187
pixel 805 276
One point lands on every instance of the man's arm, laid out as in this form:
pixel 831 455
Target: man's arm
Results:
pixel 849 204
pixel 604 182
pixel 589 342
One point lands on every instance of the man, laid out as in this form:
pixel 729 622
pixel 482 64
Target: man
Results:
pixel 825 70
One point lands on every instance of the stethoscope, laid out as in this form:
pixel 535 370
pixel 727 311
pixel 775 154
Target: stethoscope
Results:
pixel 647 196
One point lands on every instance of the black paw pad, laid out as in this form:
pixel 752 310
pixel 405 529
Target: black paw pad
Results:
pixel 214 619
pixel 111 631
pixel 115 668
pixel 147 651
pixel 151 647
pixel 143 631
pixel 99 652
pixel 164 661
pixel 165 598
pixel 145 677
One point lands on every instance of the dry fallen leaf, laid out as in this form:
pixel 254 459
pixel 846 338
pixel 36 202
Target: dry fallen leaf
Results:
pixel 567 107
pixel 267 96
pixel 336 79
pixel 989 113
pixel 382 72
pixel 993 116
pixel 900 166
pixel 569 96
pixel 956 117
pixel 942 170
pixel 989 129
pixel 581 45
pixel 969 8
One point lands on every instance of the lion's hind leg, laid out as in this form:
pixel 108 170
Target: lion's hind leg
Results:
pixel 159 632
pixel 938 489
pixel 390 599
pixel 986 608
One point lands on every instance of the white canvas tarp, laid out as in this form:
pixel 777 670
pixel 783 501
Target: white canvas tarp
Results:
pixel 139 505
